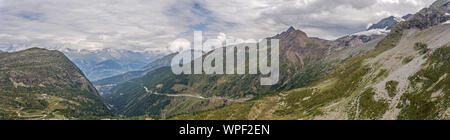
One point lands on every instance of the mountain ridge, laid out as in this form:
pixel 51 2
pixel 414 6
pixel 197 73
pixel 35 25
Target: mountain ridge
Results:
pixel 40 84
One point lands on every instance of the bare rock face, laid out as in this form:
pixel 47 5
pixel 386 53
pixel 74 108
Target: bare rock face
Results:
pixel 291 29
pixel 386 23
pixel 354 40
pixel 378 30
pixel 295 45
pixel 436 14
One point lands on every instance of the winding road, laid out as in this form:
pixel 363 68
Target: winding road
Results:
pixel 198 97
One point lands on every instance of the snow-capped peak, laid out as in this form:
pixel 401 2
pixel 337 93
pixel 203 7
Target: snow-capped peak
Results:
pixel 388 22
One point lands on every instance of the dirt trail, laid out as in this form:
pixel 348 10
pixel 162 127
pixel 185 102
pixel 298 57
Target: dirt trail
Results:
pixel 34 116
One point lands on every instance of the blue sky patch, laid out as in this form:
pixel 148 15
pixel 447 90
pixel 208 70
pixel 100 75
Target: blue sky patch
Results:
pixel 30 16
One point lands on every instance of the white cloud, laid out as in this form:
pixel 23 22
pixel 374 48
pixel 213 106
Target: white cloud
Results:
pixel 180 45
pixel 321 18
pixel 86 24
pixel 152 25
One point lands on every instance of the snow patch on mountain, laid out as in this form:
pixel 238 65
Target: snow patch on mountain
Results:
pixel 447 22
pixel 373 32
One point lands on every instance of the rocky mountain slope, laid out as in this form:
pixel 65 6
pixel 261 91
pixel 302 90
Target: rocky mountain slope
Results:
pixel 375 31
pixel 304 60
pixel 389 22
pixel 42 84
pixel 404 77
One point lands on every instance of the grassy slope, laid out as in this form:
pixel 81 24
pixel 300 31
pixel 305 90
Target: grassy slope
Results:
pixel 430 98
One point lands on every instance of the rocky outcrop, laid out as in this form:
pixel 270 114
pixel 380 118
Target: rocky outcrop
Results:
pixel 434 15
pixel 295 44
pixel 354 40
pixel 386 23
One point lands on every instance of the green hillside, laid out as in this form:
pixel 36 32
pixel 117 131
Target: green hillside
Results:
pixel 43 84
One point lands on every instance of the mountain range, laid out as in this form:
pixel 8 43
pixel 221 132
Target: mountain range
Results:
pixel 397 69
pixel 404 77
pixel 389 22
pixel 360 38
pixel 104 85
pixel 303 61
pixel 99 64
pixel 355 77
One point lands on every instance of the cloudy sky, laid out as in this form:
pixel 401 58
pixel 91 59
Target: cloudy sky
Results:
pixel 146 25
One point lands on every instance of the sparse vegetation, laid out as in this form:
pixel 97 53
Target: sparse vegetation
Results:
pixel 408 59
pixel 418 104
pixel 383 73
pixel 371 109
pixel 391 88
pixel 421 47
pixel 237 111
